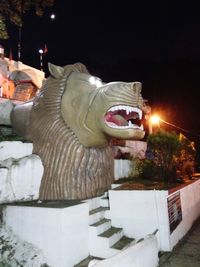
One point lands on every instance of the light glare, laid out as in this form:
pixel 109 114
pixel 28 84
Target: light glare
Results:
pixel 95 81
pixel 92 80
pixel 53 16
pixel 155 119
pixel 98 83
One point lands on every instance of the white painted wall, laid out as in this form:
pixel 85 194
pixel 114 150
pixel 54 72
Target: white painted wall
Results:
pixel 20 179
pixel 16 252
pixel 61 233
pixel 136 148
pixel 122 168
pixel 141 212
pixel 15 149
pixel 190 202
pixel 142 254
pixel 20 172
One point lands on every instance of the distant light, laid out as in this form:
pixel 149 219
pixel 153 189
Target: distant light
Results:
pixel 53 16
pixel 95 81
pixel 41 51
pixel 154 119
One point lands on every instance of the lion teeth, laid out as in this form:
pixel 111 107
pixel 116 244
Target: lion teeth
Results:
pixel 129 126
pixel 142 127
pixel 133 126
pixel 128 110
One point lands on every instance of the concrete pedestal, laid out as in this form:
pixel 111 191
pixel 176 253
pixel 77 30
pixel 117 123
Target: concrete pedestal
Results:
pixel 60 230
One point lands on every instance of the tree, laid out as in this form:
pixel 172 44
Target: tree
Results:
pixel 13 11
pixel 164 147
pixel 186 156
pixel 3 30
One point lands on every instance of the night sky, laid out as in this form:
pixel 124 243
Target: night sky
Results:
pixel 154 42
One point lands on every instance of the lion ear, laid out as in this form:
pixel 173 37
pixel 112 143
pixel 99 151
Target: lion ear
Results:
pixel 56 71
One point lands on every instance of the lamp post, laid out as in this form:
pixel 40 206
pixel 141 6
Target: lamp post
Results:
pixel 155 120
pixel 19 45
pixel 41 52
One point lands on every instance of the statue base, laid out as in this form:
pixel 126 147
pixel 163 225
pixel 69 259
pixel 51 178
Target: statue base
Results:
pixel 58 229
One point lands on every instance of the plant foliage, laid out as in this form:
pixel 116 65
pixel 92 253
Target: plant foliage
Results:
pixel 13 11
pixel 167 153
pixel 3 29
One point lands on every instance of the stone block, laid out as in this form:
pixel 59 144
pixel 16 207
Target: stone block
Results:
pixel 20 179
pixel 15 149
pixel 6 107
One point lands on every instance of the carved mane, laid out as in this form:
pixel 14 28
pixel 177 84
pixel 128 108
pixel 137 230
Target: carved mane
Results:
pixel 71 171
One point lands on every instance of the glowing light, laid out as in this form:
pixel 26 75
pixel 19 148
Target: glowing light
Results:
pixel 155 119
pixel 41 51
pixel 52 16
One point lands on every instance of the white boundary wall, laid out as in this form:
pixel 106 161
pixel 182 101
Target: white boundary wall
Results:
pixel 20 172
pixel 122 168
pixel 61 233
pixel 141 212
pixel 142 254
pixel 190 202
pixel 15 149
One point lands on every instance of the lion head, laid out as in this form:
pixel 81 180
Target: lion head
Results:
pixel 71 122
pixel 97 112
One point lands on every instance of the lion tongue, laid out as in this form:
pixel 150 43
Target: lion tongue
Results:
pixel 116 119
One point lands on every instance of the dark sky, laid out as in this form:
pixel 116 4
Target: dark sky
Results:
pixel 154 42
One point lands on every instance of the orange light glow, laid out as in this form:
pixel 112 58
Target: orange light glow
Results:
pixel 155 119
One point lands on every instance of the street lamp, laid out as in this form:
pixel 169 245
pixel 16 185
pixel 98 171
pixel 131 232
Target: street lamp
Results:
pixel 155 120
pixel 52 16
pixel 19 45
pixel 41 58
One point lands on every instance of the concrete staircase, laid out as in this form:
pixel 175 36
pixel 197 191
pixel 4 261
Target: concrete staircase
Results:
pixel 85 262
pixel 104 239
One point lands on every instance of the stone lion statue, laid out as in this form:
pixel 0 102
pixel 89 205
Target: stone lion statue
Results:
pixel 71 122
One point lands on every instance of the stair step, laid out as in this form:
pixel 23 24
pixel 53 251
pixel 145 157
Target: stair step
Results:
pixel 104 202
pixel 99 209
pixel 106 198
pixel 140 240
pixel 100 244
pixel 98 214
pixel 111 231
pixel 104 220
pixel 123 242
pixel 95 202
pixel 99 226
pixel 85 262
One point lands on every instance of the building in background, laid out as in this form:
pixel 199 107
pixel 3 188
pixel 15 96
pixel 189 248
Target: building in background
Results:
pixel 17 80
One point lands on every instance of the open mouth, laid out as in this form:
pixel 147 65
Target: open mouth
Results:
pixel 124 117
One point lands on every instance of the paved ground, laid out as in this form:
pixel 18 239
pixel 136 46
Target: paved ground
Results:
pixel 187 252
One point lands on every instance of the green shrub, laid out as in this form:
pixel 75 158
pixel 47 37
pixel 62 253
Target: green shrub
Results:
pixel 147 169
